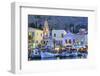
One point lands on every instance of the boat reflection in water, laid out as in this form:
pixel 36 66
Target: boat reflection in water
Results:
pixel 37 54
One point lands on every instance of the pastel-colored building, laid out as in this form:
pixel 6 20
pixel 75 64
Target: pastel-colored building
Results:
pixel 37 36
pixel 57 36
pixel 69 39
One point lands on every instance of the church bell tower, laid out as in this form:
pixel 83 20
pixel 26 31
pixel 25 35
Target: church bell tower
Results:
pixel 46 29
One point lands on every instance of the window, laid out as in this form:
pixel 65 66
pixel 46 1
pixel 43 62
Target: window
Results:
pixel 41 34
pixel 32 33
pixel 50 33
pixel 30 36
pixel 70 41
pixel 73 40
pixel 44 42
pixel 66 40
pixel 41 41
pixel 36 41
pixel 62 35
pixel 54 35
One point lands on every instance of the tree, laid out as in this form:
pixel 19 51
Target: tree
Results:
pixel 40 27
pixel 37 17
pixel 77 28
pixel 32 25
pixel 71 28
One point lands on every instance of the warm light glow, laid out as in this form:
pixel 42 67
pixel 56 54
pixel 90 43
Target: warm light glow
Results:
pixel 57 49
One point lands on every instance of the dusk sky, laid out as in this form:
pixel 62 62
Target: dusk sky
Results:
pixel 58 21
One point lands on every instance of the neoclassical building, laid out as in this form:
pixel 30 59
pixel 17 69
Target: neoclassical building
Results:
pixel 36 37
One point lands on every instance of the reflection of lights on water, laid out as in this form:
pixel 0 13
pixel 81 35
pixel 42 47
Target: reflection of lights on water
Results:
pixel 57 49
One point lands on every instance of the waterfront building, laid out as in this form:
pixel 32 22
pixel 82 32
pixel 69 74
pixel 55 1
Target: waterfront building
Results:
pixel 36 37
